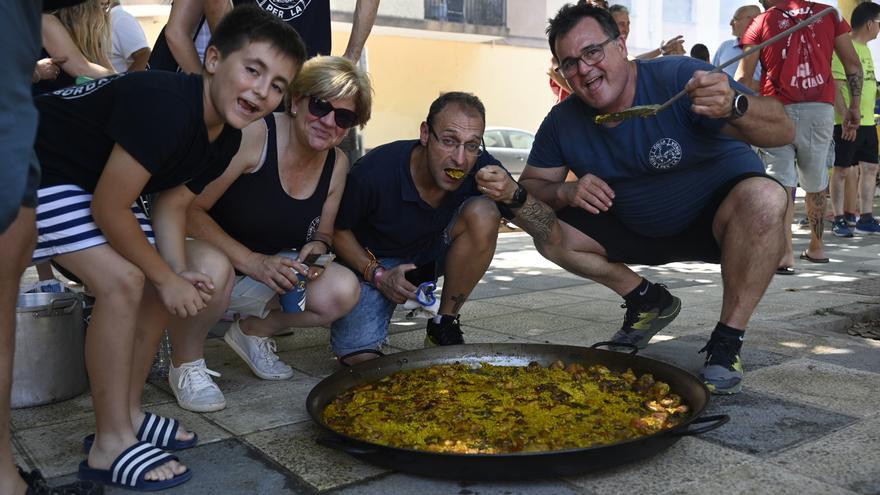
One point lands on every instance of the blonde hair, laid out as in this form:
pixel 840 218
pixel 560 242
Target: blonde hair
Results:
pixel 89 26
pixel 333 78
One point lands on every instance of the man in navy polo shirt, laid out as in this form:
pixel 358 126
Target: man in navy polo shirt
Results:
pixel 411 212
pixel 677 186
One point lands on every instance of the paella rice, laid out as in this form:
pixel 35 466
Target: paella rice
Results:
pixel 491 409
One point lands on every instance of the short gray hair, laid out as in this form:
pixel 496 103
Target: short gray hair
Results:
pixel 618 8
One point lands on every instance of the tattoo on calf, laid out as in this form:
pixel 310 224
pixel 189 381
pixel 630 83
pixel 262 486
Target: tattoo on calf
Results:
pixel 816 212
pixel 536 218
pixel 459 302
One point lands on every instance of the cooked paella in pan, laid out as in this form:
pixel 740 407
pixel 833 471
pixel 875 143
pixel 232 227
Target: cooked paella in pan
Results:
pixel 457 408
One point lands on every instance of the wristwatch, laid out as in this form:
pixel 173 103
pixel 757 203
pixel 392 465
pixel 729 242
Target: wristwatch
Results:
pixel 519 197
pixel 740 106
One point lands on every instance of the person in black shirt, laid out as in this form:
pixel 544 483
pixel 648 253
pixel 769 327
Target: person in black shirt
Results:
pixel 104 143
pixel 279 194
pixel 410 213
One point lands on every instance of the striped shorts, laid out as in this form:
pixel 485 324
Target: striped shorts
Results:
pixel 65 224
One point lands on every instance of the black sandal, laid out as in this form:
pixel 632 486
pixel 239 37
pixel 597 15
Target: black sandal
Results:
pixel 342 359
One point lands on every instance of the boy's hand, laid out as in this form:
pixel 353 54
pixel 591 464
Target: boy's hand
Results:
pixel 181 298
pixel 277 272
pixel 201 282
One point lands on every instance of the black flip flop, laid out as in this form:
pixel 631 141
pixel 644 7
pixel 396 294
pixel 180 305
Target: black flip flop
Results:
pixel 785 270
pixel 342 359
pixel 805 256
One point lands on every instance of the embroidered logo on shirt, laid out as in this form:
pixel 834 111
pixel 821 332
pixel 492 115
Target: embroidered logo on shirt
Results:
pixel 285 9
pixel 666 153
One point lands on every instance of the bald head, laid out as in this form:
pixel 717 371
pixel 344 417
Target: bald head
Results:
pixel 742 18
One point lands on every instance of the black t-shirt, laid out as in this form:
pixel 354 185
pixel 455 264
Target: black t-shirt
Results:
pixel 157 117
pixel 310 18
pixel 383 209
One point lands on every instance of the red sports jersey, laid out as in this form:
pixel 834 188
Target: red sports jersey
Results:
pixel 797 68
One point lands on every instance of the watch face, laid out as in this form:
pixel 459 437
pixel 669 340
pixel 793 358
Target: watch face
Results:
pixel 740 104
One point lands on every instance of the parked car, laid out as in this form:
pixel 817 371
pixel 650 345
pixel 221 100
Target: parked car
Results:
pixel 510 146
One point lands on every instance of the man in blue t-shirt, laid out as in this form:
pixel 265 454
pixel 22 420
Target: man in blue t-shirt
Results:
pixel 411 212
pixel 681 185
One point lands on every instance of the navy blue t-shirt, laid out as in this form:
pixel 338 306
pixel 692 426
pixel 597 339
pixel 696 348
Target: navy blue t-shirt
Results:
pixel 383 209
pixel 663 169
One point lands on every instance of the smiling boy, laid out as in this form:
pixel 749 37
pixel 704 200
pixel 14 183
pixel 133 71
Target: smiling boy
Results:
pixel 104 144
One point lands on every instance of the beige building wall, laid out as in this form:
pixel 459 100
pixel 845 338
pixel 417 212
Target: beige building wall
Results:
pixel 409 73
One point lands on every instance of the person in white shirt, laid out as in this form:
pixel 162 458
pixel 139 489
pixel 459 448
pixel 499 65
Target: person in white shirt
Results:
pixel 129 48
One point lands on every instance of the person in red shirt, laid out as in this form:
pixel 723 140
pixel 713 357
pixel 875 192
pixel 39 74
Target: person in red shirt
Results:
pixel 797 71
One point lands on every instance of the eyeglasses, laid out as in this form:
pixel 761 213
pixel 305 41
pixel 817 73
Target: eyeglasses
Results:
pixel 320 107
pixel 471 148
pixel 590 55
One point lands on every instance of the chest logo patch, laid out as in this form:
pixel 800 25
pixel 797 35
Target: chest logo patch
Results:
pixel 666 153
pixel 286 10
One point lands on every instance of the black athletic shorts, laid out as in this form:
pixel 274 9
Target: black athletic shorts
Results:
pixel 863 149
pixel 695 243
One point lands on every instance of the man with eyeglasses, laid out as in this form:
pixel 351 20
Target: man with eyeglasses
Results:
pixel 412 212
pixel 678 186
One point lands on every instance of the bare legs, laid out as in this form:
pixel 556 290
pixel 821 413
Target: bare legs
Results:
pixel 118 286
pixel 474 236
pixel 748 226
pixel 329 297
pixel 816 214
pixel 867 184
pixel 16 246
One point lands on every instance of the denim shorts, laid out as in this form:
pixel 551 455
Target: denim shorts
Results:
pixel 366 326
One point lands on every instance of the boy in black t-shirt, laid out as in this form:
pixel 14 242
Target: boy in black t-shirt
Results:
pixel 102 145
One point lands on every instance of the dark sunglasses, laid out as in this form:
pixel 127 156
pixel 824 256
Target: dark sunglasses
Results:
pixel 320 107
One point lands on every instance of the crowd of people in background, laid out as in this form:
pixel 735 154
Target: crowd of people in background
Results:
pixel 231 125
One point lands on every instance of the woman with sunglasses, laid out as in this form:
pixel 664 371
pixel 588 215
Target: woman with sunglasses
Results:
pixel 274 206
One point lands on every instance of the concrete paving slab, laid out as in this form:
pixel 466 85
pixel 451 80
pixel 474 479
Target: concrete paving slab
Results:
pixel 848 457
pixel 228 467
pixel 56 449
pixel 757 477
pixel 293 447
pixel 77 408
pixel 535 300
pixel 484 308
pixel 527 323
pixel 763 425
pixel 485 290
pixel 688 461
pixel 313 361
pixel 835 388
pixel 472 335
pixel 248 411
pixel 398 483
pixel 683 352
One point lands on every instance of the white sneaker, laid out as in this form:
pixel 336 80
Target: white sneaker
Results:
pixel 194 388
pixel 258 353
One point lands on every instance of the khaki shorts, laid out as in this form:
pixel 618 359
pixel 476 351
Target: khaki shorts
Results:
pixel 805 161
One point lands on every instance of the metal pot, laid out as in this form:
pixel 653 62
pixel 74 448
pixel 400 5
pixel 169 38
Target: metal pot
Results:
pixel 519 465
pixel 49 361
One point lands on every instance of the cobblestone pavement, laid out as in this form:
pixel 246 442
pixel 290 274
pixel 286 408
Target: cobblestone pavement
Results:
pixel 806 422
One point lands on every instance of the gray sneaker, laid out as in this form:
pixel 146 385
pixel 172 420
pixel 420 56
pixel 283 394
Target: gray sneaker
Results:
pixel 722 372
pixel 193 387
pixel 258 353
pixel 643 322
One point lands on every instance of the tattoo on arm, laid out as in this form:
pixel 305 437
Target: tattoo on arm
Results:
pixel 536 218
pixel 854 82
pixel 459 302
